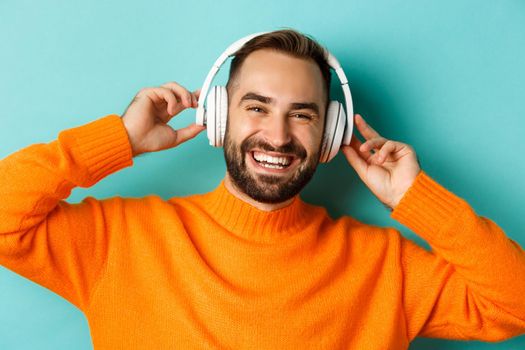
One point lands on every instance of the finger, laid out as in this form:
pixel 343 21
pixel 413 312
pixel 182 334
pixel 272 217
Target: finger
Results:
pixel 366 130
pixel 163 95
pixel 355 143
pixel 175 107
pixel 388 148
pixel 188 133
pixel 181 92
pixel 373 144
pixel 356 161
pixel 196 94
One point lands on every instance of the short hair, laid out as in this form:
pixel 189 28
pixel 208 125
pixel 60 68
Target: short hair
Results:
pixel 287 41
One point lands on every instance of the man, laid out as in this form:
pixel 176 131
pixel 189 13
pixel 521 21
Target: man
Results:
pixel 250 265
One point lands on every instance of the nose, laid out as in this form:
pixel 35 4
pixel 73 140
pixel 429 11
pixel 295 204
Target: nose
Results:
pixel 277 131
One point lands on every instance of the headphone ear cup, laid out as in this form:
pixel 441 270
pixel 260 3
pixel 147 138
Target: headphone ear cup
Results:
pixel 216 115
pixel 211 113
pixel 222 114
pixel 333 132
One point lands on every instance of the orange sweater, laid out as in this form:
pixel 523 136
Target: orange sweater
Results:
pixel 211 272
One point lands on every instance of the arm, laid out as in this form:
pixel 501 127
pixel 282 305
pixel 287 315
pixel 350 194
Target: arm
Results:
pixel 471 285
pixel 59 245
pixel 63 246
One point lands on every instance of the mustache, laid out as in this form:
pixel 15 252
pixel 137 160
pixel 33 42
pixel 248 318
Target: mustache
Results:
pixel 292 147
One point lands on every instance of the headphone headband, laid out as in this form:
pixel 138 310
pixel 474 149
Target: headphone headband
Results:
pixel 233 48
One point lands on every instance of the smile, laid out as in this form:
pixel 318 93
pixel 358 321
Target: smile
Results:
pixel 277 162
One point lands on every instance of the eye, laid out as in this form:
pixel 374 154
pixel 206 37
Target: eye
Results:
pixel 302 116
pixel 255 109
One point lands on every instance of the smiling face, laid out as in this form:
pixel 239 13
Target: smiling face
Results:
pixel 276 116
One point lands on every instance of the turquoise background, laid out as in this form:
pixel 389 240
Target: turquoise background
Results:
pixel 447 77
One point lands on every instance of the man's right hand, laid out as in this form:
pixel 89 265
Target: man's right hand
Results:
pixel 147 116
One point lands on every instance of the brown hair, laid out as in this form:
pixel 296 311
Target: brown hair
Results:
pixel 287 41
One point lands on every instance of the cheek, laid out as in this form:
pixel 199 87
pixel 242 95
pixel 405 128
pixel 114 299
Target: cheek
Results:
pixel 310 138
pixel 240 127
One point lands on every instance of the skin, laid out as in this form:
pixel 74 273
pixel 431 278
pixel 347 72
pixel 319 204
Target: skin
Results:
pixel 388 168
pixel 295 110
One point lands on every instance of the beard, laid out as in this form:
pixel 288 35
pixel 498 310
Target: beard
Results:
pixel 268 188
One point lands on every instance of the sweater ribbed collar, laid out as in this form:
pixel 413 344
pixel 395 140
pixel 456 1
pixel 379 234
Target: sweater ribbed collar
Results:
pixel 249 222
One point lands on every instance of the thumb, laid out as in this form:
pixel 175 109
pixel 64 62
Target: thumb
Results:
pixel 187 133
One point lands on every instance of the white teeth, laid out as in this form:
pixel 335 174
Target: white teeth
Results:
pixel 261 157
pixel 272 166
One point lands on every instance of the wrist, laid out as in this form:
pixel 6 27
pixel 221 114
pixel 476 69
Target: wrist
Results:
pixel 131 138
pixel 394 202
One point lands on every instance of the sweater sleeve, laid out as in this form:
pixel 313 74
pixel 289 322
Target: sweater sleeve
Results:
pixel 471 285
pixel 58 245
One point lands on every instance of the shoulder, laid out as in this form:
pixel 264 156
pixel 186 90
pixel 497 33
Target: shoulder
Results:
pixel 365 235
pixel 120 204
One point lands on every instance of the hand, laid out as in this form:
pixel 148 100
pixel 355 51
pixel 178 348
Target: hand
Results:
pixel 389 171
pixel 147 116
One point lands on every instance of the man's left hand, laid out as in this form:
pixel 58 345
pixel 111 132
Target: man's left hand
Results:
pixel 387 167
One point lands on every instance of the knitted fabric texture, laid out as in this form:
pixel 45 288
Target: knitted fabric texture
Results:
pixel 210 271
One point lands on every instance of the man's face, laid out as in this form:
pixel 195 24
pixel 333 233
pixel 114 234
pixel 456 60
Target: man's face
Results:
pixel 275 124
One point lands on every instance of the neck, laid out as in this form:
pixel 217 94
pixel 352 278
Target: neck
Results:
pixel 232 188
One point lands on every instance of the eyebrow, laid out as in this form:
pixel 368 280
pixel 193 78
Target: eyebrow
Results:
pixel 268 100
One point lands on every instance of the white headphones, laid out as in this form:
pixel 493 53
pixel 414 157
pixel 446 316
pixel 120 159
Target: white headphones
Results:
pixel 338 127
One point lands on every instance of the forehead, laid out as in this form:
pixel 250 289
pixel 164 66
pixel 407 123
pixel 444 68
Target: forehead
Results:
pixel 280 75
